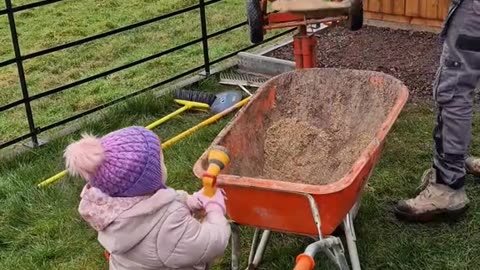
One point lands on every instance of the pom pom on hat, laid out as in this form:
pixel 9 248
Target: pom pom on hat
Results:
pixel 83 157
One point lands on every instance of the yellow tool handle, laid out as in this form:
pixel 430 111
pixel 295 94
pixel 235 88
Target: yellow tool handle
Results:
pixel 54 178
pixel 169 142
pixel 168 117
pixel 209 191
pixel 193 104
pixel 205 123
pixel 209 184
pixel 209 180
pixel 218 159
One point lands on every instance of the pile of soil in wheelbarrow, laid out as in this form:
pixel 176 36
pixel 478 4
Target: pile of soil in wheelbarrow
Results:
pixel 321 123
pixel 412 57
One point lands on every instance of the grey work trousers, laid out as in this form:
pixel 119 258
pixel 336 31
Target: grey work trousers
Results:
pixel 453 91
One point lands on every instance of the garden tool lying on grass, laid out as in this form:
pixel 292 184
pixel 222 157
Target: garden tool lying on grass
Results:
pixel 175 139
pixel 225 100
pixel 216 103
pixel 206 122
pixel 199 101
pixel 191 100
pixel 237 78
pixel 242 80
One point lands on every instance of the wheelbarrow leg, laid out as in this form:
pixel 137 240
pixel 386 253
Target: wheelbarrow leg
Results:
pixel 331 246
pixel 259 250
pixel 351 242
pixel 235 246
pixel 253 246
pixel 340 257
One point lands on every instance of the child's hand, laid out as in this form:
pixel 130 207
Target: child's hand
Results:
pixel 216 203
pixel 192 202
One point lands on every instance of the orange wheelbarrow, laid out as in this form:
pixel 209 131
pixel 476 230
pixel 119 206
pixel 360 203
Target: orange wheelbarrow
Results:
pixel 300 13
pixel 363 104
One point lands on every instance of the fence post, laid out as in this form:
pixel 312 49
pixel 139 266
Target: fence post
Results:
pixel 203 22
pixel 21 72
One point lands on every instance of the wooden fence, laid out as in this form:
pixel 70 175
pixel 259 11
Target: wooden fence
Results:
pixel 429 13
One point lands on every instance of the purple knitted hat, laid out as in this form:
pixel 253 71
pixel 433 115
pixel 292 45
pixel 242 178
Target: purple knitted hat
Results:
pixel 124 163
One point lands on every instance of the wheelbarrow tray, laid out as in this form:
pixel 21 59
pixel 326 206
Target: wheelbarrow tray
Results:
pixel 283 206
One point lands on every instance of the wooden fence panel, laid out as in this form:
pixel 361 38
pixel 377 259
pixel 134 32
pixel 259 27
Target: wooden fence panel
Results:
pixel 416 12
pixel 412 8
pixel 399 7
pixel 387 7
pixel 396 7
pixel 429 9
pixel 443 9
pixel 375 5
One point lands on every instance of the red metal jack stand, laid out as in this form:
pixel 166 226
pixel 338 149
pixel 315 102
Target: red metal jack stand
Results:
pixel 304 44
pixel 304 49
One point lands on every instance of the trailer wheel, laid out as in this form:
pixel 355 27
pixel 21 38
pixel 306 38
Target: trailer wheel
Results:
pixel 255 21
pixel 355 20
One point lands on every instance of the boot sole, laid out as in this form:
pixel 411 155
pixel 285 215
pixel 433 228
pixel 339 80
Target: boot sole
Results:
pixel 439 215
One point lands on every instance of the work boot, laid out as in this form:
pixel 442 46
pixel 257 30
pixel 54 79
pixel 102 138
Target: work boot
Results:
pixel 434 201
pixel 472 166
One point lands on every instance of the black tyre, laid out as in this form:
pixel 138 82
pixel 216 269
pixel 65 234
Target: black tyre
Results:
pixel 255 21
pixel 355 20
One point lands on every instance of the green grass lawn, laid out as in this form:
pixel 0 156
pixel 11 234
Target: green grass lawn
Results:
pixel 66 21
pixel 41 228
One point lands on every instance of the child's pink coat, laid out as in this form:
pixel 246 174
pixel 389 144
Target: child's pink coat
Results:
pixel 154 232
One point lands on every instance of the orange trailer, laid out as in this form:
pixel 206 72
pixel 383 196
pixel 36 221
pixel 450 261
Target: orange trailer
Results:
pixel 264 15
pixel 305 209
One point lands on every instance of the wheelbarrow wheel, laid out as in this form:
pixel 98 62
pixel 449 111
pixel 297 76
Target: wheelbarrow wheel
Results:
pixel 255 21
pixel 355 19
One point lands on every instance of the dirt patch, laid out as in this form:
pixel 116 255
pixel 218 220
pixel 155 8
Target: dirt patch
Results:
pixel 321 123
pixel 412 57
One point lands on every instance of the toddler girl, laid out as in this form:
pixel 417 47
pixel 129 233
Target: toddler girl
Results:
pixel 140 221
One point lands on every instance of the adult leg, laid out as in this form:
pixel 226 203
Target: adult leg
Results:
pixel 459 72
